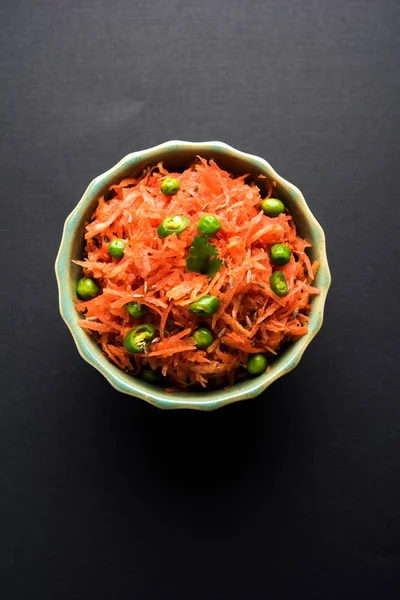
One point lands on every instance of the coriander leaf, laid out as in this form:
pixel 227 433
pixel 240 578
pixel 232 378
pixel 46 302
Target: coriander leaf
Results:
pixel 203 256
pixel 214 266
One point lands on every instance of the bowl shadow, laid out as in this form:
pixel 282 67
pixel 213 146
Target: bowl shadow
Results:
pixel 188 461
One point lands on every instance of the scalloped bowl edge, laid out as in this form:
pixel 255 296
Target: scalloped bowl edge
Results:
pixel 125 383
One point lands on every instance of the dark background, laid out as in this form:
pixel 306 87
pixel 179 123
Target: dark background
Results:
pixel 294 494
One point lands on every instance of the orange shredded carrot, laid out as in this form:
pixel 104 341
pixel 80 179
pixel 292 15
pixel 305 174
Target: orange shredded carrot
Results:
pixel 251 318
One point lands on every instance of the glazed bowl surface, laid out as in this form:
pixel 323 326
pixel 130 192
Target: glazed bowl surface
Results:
pixel 176 156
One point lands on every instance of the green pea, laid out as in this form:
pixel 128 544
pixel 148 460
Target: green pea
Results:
pixel 209 225
pixel 139 338
pixel 152 376
pixel 87 288
pixel 278 283
pixel 203 338
pixel 175 224
pixel 256 364
pixel 116 248
pixel 272 207
pixel 280 254
pixel 204 307
pixel 170 186
pixel 135 309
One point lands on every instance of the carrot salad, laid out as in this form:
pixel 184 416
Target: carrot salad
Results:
pixel 191 277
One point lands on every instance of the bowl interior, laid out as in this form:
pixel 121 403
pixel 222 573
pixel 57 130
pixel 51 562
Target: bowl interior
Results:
pixel 178 156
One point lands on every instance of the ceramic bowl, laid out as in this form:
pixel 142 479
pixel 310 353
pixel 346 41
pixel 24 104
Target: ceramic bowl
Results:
pixel 178 155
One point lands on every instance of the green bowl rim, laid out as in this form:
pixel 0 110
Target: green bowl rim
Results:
pixel 156 396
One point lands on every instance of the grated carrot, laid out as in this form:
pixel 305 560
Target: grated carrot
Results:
pixel 251 318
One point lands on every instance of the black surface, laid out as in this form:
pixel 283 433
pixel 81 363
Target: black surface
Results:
pixel 295 494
